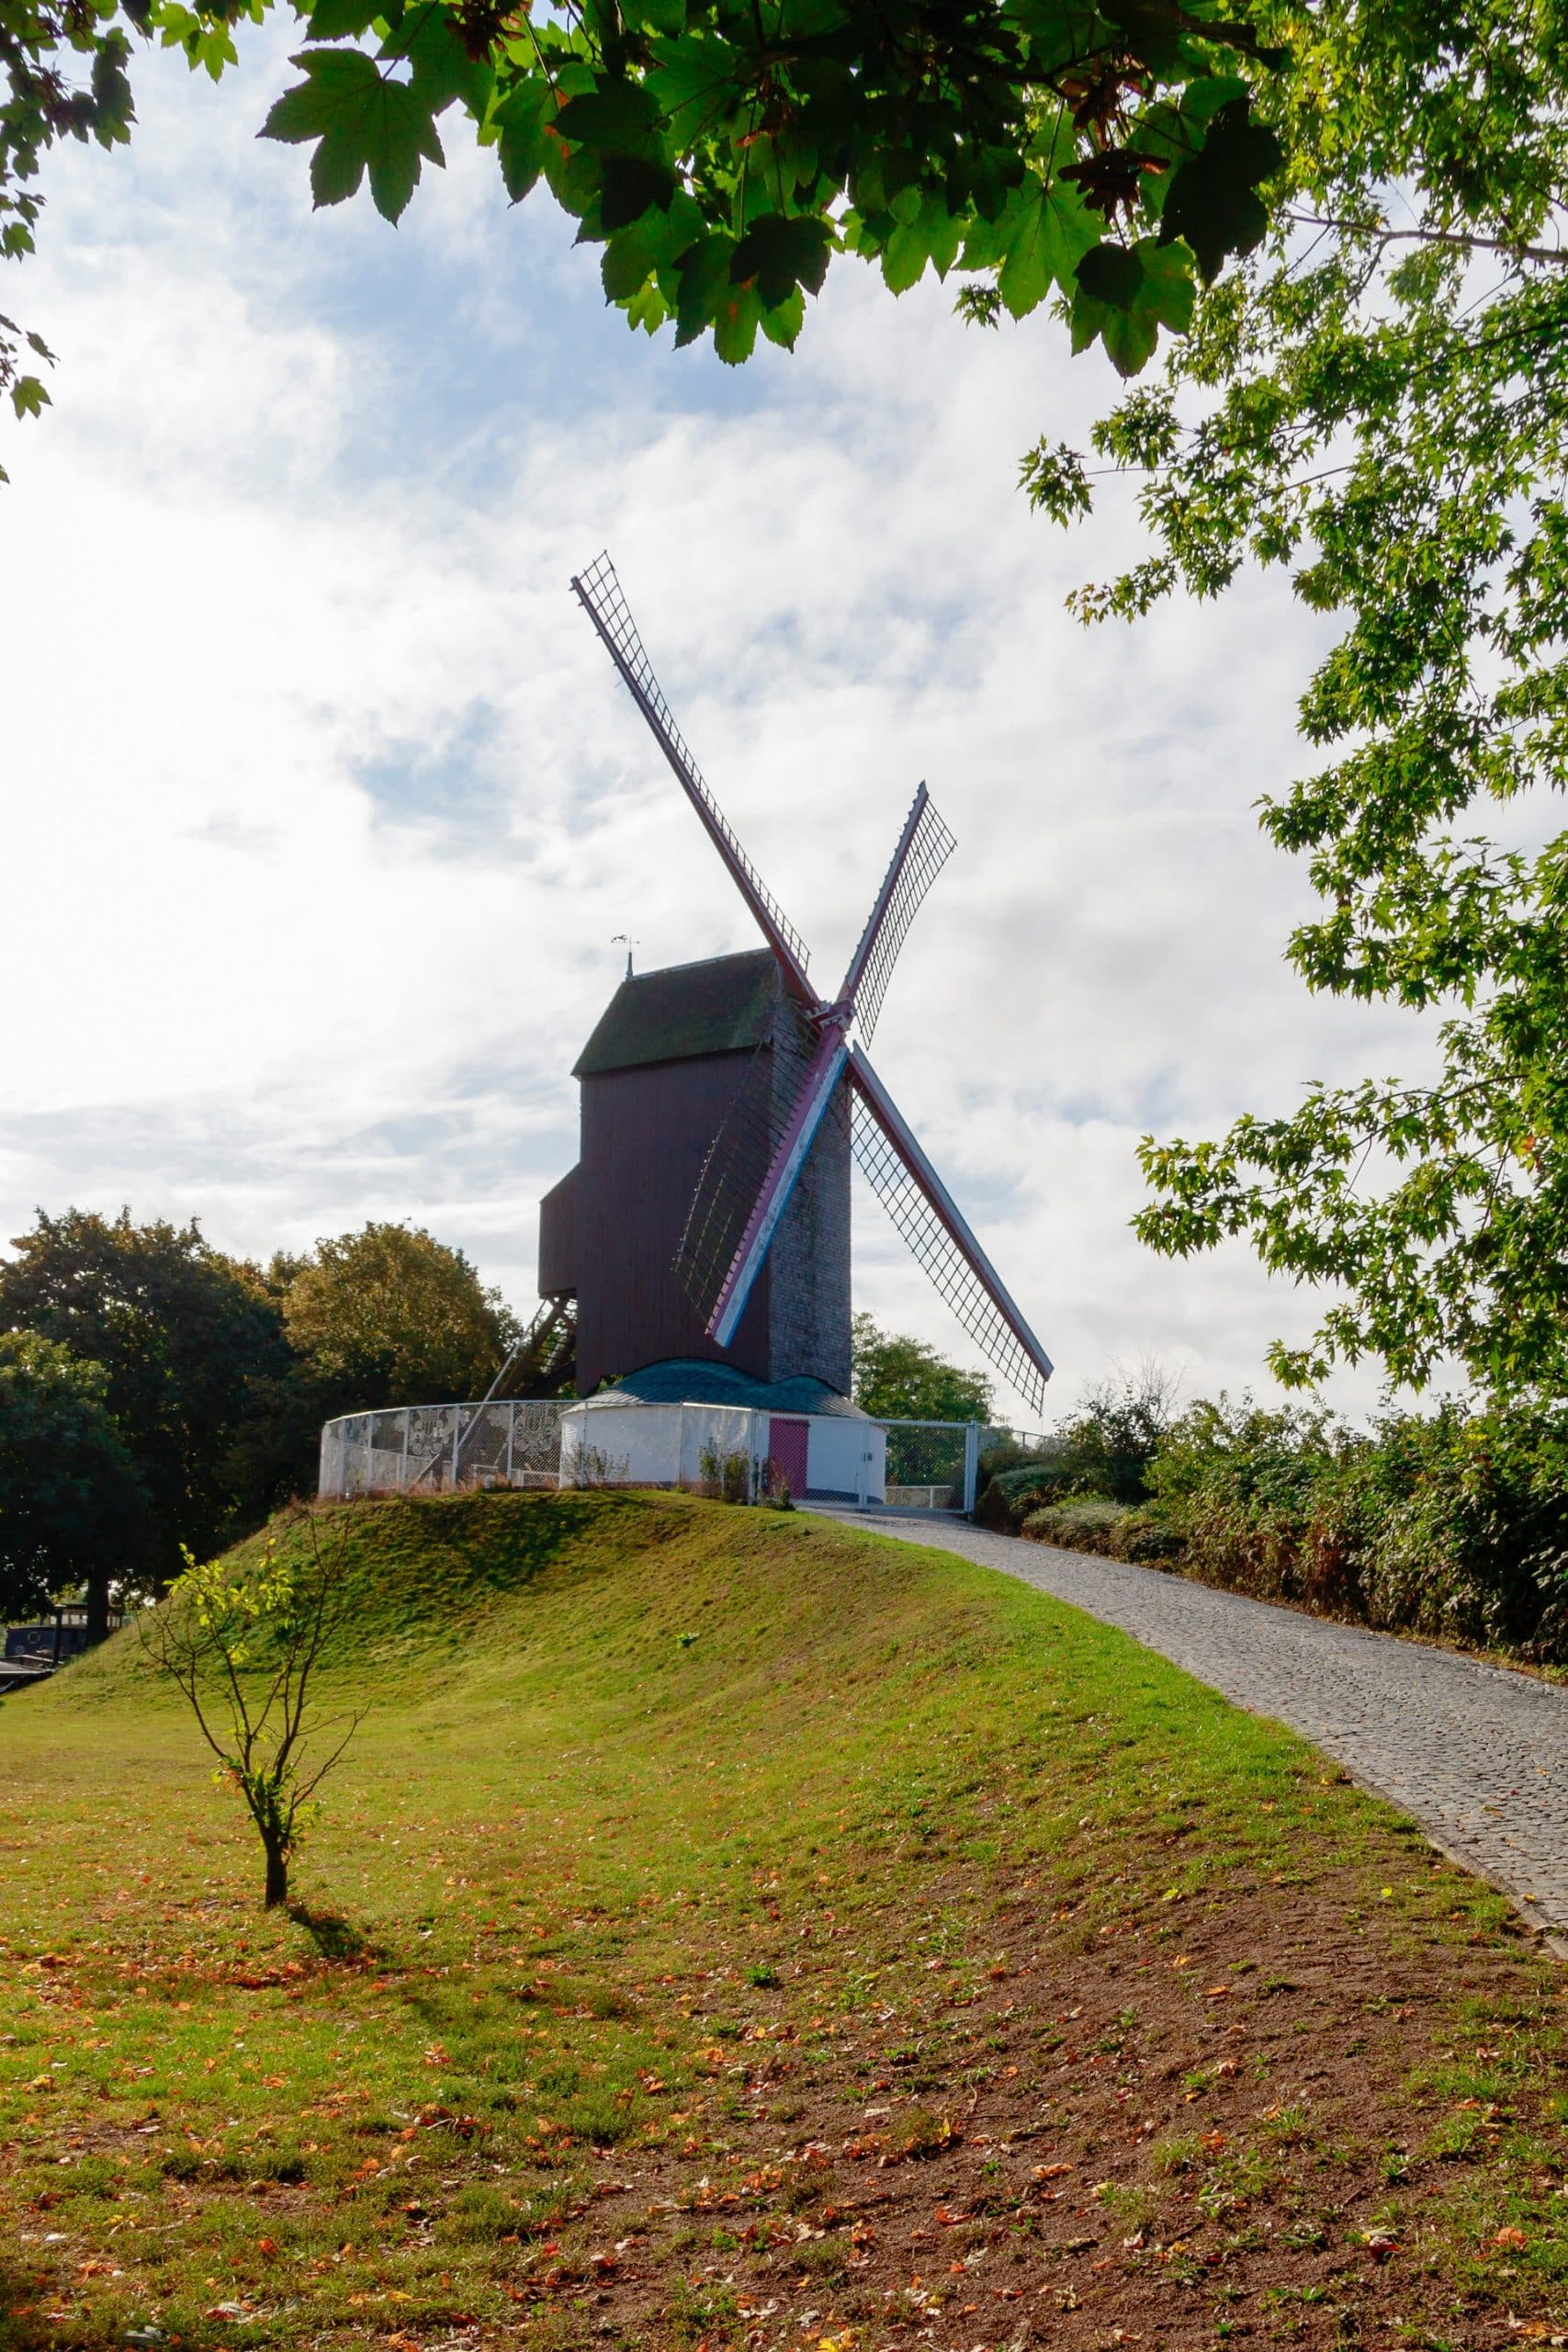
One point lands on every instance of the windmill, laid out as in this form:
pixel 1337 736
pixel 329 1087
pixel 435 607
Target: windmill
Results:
pixel 811 1075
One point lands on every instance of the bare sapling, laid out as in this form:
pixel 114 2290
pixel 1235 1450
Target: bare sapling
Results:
pixel 245 1646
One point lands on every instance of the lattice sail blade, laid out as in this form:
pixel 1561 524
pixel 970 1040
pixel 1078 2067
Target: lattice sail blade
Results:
pixel 926 1214
pixel 598 591
pixel 924 847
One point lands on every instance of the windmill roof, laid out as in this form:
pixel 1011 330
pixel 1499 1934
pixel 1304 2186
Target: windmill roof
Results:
pixel 689 1380
pixel 722 1006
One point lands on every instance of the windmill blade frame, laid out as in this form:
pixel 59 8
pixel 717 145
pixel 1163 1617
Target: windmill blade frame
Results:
pixel 925 1213
pixel 598 591
pixel 924 847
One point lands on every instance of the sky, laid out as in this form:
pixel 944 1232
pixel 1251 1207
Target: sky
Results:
pixel 322 806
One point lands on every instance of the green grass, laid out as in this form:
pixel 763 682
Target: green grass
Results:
pixel 662 1808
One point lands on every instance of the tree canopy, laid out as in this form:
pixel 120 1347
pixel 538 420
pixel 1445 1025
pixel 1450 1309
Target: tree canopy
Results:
pixel 722 154
pixel 389 1316
pixel 183 1335
pixel 901 1379
pixel 1378 401
pixel 72 1508
pixel 158 1397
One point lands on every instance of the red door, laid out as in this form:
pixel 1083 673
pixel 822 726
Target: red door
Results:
pixel 787 1446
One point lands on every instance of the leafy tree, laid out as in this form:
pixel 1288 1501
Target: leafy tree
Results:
pixel 184 1337
pixel 1107 1446
pixel 1378 401
pixel 245 1646
pixel 391 1317
pixel 72 1510
pixel 722 152
pixel 902 1379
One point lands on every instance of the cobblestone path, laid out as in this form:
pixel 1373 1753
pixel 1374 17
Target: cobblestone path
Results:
pixel 1477 1755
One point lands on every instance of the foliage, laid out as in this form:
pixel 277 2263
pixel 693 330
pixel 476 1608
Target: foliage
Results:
pixel 1103 1450
pixel 1082 1523
pixel 1452 1524
pixel 71 1508
pixel 1106 1447
pixel 895 1378
pixel 722 154
pixel 592 1466
pixel 1378 402
pixel 184 1336
pixel 243 1647
pixel 389 1315
pixel 724 1473
pixel 215 1378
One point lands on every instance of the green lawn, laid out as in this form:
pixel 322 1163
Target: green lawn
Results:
pixel 732 1928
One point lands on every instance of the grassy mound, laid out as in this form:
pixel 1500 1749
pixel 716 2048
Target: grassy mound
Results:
pixel 730 1924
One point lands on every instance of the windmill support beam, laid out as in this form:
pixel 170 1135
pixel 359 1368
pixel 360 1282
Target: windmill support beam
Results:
pixel 815 1094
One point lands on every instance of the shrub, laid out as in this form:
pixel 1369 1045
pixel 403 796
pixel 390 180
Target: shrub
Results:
pixel 725 1475
pixel 1006 1502
pixel 1082 1523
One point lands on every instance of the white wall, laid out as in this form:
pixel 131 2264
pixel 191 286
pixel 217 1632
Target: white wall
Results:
pixel 838 1451
pixel 661 1446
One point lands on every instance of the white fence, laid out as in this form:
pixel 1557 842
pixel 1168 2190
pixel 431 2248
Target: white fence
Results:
pixel 437 1447
pixel 931 1465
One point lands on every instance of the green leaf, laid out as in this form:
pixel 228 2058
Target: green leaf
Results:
pixel 28 396
pixel 520 125
pixel 635 252
pixel 667 17
pixel 630 185
pixel 735 328
pixel 694 86
pixel 704 284
pixel 778 254
pixel 904 256
pixel 1110 274
pixel 1212 201
pixel 443 70
pixel 617 118
pixel 342 19
pixel 1044 234
pixel 943 234
pixel 783 323
pixel 1123 297
pixel 364 123
pixel 648 309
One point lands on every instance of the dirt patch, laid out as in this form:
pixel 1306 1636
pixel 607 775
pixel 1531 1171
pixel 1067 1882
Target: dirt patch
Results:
pixel 1236 2133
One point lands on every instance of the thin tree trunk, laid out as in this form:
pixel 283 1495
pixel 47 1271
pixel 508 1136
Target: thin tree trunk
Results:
pixel 97 1607
pixel 276 1877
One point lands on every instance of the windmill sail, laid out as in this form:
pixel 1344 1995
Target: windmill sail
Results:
pixel 926 1214
pixel 924 847
pixel 598 591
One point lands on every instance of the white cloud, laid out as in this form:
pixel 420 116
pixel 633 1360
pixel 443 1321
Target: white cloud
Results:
pixel 323 803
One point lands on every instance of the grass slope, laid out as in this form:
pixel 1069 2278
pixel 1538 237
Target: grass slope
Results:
pixel 735 1928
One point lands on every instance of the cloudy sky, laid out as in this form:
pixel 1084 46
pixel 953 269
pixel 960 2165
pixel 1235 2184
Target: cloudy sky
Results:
pixel 322 805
